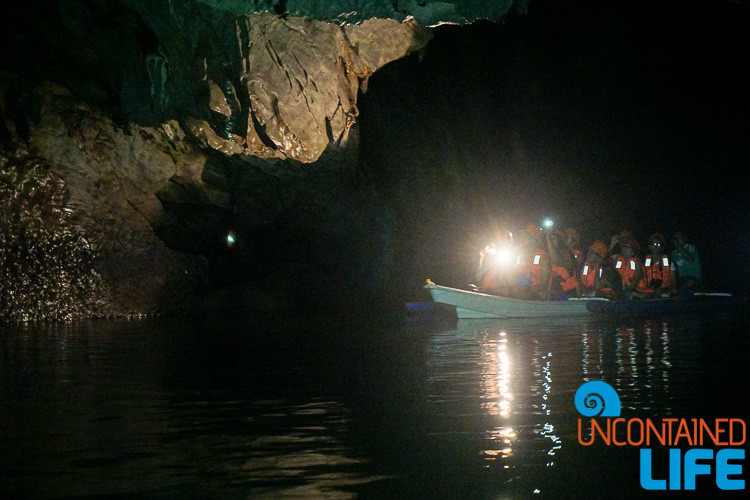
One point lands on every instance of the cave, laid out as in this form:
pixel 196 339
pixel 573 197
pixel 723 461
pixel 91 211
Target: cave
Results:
pixel 299 155
pixel 222 223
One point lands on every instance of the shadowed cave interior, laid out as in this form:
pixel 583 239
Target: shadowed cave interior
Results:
pixel 466 128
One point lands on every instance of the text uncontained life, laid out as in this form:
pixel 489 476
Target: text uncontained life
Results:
pixel 728 434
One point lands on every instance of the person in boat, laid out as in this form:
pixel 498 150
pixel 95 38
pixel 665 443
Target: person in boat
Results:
pixel 563 282
pixel 630 268
pixel 495 270
pixel 616 241
pixel 657 268
pixel 573 240
pixel 598 275
pixel 687 262
pixel 533 272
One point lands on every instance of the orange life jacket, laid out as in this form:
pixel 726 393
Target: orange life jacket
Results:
pixel 533 268
pixel 495 277
pixel 489 281
pixel 587 275
pixel 657 269
pixel 568 280
pixel 626 269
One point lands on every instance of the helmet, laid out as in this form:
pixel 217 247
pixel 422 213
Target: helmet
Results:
pixel 503 235
pixel 571 231
pixel 657 236
pixel 634 244
pixel 600 247
pixel 532 229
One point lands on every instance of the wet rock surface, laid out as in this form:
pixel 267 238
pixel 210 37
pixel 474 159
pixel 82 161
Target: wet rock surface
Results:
pixel 108 177
pixel 265 85
pixel 151 211
pixel 426 12
pixel 172 125
pixel 268 79
pixel 47 269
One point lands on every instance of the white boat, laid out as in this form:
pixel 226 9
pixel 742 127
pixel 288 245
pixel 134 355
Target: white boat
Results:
pixel 480 305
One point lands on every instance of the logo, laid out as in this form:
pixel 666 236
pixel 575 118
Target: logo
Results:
pixel 599 399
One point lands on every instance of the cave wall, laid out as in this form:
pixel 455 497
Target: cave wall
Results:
pixel 271 79
pixel 281 79
pixel 110 176
pixel 426 12
pixel 169 124
pixel 267 86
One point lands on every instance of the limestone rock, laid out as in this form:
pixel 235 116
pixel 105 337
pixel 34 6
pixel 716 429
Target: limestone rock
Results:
pixel 46 267
pixel 270 86
pixel 426 12
pixel 205 116
pixel 111 175
pixel 303 77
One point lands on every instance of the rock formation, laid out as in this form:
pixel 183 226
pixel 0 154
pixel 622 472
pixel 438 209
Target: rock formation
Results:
pixel 172 123
pixel 106 180
pixel 269 86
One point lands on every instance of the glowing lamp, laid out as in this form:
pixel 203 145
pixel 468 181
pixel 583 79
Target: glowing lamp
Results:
pixel 548 223
pixel 503 256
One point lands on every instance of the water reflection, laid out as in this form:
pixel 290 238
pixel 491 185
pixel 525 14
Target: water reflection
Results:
pixel 548 429
pixel 125 409
pixel 495 378
pixel 473 409
pixel 520 377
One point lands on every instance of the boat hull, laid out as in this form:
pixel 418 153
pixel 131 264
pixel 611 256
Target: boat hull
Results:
pixel 479 305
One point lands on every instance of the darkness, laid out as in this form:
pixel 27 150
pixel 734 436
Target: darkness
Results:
pixel 602 115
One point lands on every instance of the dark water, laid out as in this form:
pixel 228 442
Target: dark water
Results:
pixel 244 408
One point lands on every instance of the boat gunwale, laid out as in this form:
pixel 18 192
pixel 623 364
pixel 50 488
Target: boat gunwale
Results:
pixel 505 307
pixel 516 300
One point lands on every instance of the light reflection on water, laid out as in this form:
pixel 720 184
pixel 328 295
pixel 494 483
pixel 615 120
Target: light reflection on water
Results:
pixel 475 409
pixel 524 374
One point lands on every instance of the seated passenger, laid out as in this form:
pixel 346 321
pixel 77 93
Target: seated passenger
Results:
pixel 687 262
pixel 563 282
pixel 630 268
pixel 573 240
pixel 598 276
pixel 615 243
pixel 657 273
pixel 532 277
pixel 495 270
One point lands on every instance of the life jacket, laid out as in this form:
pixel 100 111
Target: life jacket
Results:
pixel 489 281
pixel 587 275
pixel 626 269
pixel 485 276
pixel 533 268
pixel 494 277
pixel 657 269
pixel 569 281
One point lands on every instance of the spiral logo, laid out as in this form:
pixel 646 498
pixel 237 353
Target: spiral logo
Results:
pixel 597 399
